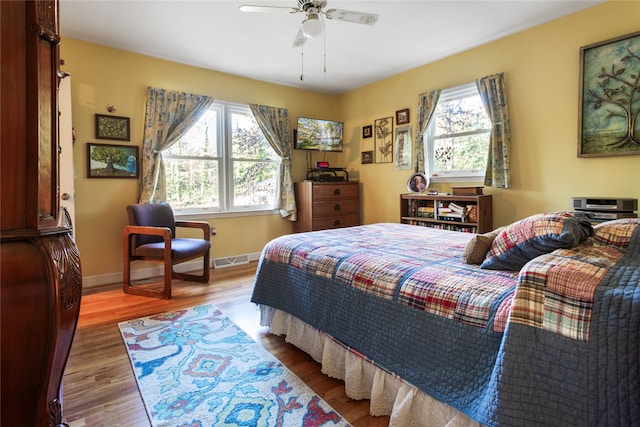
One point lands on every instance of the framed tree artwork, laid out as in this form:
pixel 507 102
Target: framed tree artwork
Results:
pixel 383 132
pixel 112 161
pixel 610 97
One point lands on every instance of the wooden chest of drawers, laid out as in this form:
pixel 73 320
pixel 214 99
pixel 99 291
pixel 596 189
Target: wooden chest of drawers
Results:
pixel 323 205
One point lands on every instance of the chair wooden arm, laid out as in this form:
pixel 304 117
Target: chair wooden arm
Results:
pixel 131 230
pixel 165 232
pixel 203 225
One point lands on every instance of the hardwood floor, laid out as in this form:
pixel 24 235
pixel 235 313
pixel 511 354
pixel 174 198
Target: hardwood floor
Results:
pixel 98 385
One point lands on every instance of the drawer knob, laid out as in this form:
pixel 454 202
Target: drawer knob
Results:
pixel 336 222
pixel 336 192
pixel 336 208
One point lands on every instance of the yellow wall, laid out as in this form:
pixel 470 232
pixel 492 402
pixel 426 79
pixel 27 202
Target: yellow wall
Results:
pixel 102 76
pixel 541 68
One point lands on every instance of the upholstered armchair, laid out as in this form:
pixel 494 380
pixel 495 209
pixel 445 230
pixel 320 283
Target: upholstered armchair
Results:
pixel 151 236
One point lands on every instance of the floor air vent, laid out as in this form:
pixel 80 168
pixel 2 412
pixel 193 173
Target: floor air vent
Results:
pixel 230 261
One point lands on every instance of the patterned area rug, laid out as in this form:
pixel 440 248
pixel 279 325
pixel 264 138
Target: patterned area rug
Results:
pixel 196 368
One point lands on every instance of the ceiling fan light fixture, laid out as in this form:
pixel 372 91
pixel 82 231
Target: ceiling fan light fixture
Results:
pixel 312 26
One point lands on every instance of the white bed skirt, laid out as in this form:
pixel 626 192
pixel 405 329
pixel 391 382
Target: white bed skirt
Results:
pixel 388 395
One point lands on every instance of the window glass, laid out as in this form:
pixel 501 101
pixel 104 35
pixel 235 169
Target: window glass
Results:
pixel 457 140
pixel 201 140
pixel 192 183
pixel 223 164
pixel 255 183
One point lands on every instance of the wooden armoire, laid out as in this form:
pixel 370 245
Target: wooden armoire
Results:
pixel 40 278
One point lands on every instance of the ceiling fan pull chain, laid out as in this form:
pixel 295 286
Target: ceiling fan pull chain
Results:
pixel 324 49
pixel 302 63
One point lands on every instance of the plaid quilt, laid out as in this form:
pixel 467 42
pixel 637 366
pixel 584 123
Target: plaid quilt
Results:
pixel 419 267
pixel 555 291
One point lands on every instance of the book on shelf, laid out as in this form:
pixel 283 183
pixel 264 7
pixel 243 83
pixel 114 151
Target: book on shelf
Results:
pixel 451 217
pixel 457 208
pixel 426 211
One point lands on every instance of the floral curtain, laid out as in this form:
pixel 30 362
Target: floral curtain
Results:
pixel 494 97
pixel 426 106
pixel 274 123
pixel 168 116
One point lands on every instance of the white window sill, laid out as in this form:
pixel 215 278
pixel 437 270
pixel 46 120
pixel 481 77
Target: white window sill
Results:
pixel 204 215
pixel 457 178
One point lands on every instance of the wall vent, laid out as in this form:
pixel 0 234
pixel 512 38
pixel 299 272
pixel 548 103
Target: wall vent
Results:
pixel 230 261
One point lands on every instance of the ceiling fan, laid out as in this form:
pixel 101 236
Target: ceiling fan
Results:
pixel 313 24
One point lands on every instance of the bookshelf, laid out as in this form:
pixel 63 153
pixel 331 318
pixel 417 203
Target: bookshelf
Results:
pixel 472 214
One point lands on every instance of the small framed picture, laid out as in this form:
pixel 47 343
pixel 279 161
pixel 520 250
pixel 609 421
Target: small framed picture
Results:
pixel 367 131
pixel 403 147
pixel 112 127
pixel 417 183
pixel 112 161
pixel 402 117
pixel 367 157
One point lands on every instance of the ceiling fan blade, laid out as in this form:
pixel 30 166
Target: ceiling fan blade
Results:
pixel 300 39
pixel 352 16
pixel 268 9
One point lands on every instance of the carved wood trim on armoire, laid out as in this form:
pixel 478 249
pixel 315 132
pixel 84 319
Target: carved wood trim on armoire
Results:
pixel 40 277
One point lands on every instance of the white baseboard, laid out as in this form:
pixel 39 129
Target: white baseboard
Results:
pixel 109 278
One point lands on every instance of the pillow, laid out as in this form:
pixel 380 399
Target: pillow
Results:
pixel 477 248
pixel 536 235
pixel 615 233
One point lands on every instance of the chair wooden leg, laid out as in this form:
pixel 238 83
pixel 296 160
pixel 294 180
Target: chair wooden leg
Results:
pixel 169 274
pixel 168 269
pixel 128 288
pixel 126 274
pixel 203 278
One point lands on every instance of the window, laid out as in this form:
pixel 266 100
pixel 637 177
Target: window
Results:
pixel 223 164
pixel 457 139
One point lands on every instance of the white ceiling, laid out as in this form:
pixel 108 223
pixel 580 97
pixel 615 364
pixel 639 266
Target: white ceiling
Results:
pixel 215 35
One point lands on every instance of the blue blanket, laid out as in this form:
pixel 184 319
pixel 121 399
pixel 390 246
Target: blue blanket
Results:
pixel 523 377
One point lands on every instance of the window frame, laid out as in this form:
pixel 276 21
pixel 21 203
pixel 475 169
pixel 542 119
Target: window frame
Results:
pixel 475 175
pixel 224 141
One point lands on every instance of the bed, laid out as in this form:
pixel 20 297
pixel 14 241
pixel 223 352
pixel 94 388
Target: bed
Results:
pixel 537 323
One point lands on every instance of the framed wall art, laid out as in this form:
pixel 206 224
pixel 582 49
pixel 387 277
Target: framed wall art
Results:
pixel 112 161
pixel 383 130
pixel 402 117
pixel 367 157
pixel 403 147
pixel 367 131
pixel 112 127
pixel 610 97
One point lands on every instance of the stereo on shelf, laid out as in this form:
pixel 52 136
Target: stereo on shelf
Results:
pixel 602 209
pixel 607 216
pixel 327 174
pixel 604 204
